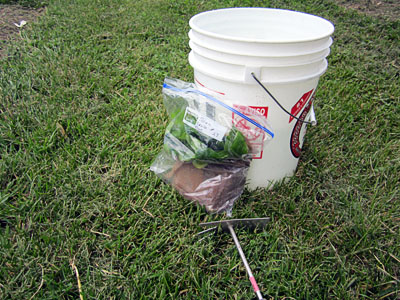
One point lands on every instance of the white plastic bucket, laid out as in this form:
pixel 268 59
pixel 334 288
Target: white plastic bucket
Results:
pixel 286 51
pixel 261 31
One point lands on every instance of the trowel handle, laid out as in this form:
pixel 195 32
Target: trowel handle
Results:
pixel 246 264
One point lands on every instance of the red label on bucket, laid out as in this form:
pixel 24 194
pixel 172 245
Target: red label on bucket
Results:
pixel 295 137
pixel 254 135
pixel 300 104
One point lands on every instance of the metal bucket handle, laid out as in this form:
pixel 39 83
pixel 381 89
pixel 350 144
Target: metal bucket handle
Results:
pixel 312 119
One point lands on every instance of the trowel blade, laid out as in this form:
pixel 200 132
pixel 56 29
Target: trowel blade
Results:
pixel 252 223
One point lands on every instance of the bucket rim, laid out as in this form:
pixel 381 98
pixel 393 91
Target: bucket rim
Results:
pixel 197 68
pixel 231 52
pixel 322 54
pixel 193 26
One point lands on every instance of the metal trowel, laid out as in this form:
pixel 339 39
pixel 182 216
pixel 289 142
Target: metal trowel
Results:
pixel 227 226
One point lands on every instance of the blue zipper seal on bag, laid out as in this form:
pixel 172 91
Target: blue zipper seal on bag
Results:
pixel 222 104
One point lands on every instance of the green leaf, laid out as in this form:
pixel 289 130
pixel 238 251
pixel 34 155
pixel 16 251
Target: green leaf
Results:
pixel 235 143
pixel 204 148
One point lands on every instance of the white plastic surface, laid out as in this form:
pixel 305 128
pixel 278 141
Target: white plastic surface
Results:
pixel 258 48
pixel 241 73
pixel 261 25
pixel 250 60
pixel 287 52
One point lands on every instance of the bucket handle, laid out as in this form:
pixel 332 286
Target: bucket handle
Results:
pixel 312 116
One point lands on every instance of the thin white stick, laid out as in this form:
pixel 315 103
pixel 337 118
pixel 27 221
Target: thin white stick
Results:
pixel 77 279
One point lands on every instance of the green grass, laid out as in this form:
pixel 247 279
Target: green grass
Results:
pixel 81 119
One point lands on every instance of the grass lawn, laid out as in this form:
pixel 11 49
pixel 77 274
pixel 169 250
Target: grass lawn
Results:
pixel 81 119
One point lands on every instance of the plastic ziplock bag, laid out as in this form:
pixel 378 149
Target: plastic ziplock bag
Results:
pixel 205 157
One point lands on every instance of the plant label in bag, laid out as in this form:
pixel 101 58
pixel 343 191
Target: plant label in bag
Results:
pixel 204 125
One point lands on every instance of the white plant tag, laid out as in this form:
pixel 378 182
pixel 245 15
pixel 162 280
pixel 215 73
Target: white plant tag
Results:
pixel 204 124
pixel 21 24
